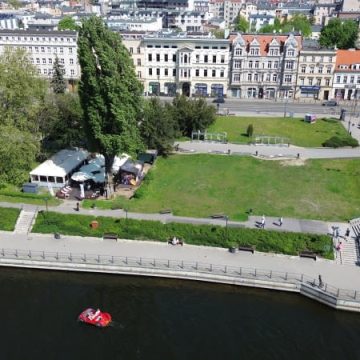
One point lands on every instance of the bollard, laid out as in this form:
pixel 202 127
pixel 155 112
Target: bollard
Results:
pixel 112 259
pixel 255 273
pixel 210 267
pixel 2 252
pixel 84 257
pixel 43 255
pixel 140 261
pixel 70 257
pixel 182 264
pixel 57 256
pixel 225 269
pixel 16 253
pixel 355 293
pixel 196 267
pixel 29 255
pixel 338 292
pixel 286 276
pixel 98 259
pixel 270 274
pixel 126 260
pixel 154 262
pixel 302 277
pixel 168 265
pixel 240 271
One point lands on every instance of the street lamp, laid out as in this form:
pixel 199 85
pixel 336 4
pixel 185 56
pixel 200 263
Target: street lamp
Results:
pixel 285 106
pixel 226 227
pixel 218 107
pixel 349 124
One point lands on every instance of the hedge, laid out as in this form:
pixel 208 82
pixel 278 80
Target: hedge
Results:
pixel 264 240
pixel 337 142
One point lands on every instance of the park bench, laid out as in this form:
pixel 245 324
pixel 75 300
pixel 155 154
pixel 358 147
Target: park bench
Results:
pixel 218 216
pixel 165 211
pixel 247 248
pixel 307 254
pixel 110 236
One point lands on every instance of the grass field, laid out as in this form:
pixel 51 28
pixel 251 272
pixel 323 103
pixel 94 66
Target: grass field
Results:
pixel 8 217
pixel 298 132
pixel 201 185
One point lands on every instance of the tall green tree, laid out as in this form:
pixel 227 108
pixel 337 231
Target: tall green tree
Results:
pixel 68 23
pixel 158 128
pixel 241 24
pixel 298 23
pixel 58 82
pixel 110 93
pixel 22 91
pixel 342 34
pixel 192 114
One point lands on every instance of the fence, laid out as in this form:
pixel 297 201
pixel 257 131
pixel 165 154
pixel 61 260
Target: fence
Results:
pixel 230 272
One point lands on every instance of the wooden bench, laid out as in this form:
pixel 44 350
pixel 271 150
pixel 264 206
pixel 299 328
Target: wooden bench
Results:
pixel 247 248
pixel 110 236
pixel 165 211
pixel 307 254
pixel 218 216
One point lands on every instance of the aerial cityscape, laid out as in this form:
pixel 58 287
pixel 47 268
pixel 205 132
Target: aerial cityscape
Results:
pixel 178 173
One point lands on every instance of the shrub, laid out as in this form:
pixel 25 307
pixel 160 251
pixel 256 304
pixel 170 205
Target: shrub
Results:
pixel 209 235
pixel 250 130
pixel 337 141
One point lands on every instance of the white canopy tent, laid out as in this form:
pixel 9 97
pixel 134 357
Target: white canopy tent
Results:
pixel 57 170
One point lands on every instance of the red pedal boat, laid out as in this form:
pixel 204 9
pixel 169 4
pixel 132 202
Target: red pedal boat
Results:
pixel 95 317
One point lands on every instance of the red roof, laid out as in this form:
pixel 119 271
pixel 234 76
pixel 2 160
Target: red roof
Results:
pixel 347 57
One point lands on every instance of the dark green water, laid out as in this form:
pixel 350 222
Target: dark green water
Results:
pixel 163 319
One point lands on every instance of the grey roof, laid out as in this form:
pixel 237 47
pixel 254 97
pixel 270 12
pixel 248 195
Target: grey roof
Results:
pixel 37 32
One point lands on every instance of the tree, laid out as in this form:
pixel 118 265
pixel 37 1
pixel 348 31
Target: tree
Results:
pixel 14 4
pixel 192 114
pixel 158 127
pixel 61 124
pixel 218 33
pixel 110 93
pixel 342 34
pixel 241 24
pixel 302 24
pixel 22 91
pixel 67 23
pixel 18 150
pixel 250 130
pixel 58 82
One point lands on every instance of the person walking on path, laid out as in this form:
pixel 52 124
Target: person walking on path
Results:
pixel 280 221
pixel 263 221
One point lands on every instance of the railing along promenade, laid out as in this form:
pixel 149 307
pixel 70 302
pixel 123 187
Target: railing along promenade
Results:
pixel 184 269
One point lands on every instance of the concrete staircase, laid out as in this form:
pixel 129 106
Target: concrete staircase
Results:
pixel 348 254
pixel 25 221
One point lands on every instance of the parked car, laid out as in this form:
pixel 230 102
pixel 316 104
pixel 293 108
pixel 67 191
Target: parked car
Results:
pixel 219 100
pixel 329 103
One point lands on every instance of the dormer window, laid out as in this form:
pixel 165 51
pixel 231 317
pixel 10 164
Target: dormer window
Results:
pixel 238 51
pixel 291 52
pixel 254 51
pixel 274 52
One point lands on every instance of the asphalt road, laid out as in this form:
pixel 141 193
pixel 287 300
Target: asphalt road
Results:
pixel 239 106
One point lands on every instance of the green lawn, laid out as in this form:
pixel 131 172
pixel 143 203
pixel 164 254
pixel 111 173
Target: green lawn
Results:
pixel 298 132
pixel 266 241
pixel 201 185
pixel 8 217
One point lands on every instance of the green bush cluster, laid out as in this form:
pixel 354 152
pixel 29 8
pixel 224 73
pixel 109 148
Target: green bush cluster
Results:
pixel 8 217
pixel 266 241
pixel 337 141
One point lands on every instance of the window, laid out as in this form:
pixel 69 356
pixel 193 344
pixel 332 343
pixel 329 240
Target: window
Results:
pixel 274 77
pixel 37 60
pixel 238 51
pixel 166 72
pixel 236 78
pixel 70 50
pixel 352 79
pixel 358 80
pixel 158 71
pixel 205 73
pixel 310 81
pixel 139 74
pixel 61 50
pixel 237 64
pixel 36 49
pixel 150 72
pixel 45 71
pixel 338 79
pixel 302 81
pixel 249 77
pixel 50 61
pixel 327 82
pixel 276 64
pixel 256 77
pixel 321 69
pixel 71 61
pixel 250 64
pixel 205 58
pixel 328 69
pixel 62 61
pixel 291 52
pixel 256 64
pixel 345 79
pixel 166 57
pixel 289 65
pixel 288 78
pixel 44 61
pixel 157 57
pixel 214 59
pixel 312 69
pixel 254 51
pixel 222 73
pixel 42 49
pixel 131 50
pixel 138 50
pixel 197 72
pixel 267 77
pixel 174 72
pixel 303 69
pixel 213 73
pixel 269 64
pixel 72 72
pixel 150 57
pixel 222 59
pixel 174 58
pixel 43 178
pixel 318 81
pixel 138 62
pixel 313 58
pixel 330 58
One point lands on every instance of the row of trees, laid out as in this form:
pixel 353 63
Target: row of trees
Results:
pixel 108 116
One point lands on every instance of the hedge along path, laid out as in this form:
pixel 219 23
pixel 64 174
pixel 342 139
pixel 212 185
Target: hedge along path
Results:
pixel 208 235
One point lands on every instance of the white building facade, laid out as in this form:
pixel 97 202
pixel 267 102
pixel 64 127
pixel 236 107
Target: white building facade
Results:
pixel 44 47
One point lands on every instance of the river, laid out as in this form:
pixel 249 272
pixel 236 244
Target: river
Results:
pixel 165 319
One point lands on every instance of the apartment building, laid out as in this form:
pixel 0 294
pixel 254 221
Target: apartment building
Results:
pixel 264 66
pixel 346 85
pixel 43 47
pixel 315 72
pixel 171 63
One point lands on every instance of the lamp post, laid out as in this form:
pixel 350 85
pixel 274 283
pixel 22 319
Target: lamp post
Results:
pixel 126 217
pixel 218 107
pixel 349 124
pixel 285 106
pixel 46 199
pixel 226 227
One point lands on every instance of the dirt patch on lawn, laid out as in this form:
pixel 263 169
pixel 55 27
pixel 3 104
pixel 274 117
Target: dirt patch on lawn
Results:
pixel 293 162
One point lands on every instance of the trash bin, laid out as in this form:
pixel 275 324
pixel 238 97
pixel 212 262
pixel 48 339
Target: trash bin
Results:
pixel 342 114
pixel 232 249
pixel 57 236
pixel 94 224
